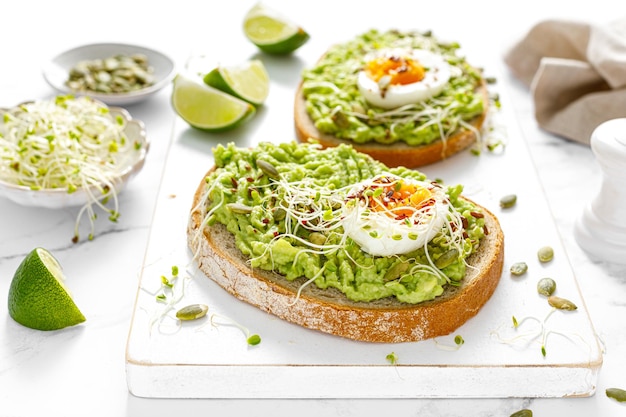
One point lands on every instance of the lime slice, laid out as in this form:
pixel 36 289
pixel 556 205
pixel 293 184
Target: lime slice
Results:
pixel 38 297
pixel 272 32
pixel 208 108
pixel 248 81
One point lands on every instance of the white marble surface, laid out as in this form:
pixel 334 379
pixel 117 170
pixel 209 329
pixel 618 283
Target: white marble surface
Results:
pixel 80 371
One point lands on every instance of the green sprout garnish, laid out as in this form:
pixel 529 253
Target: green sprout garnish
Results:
pixel 392 358
pixel 254 340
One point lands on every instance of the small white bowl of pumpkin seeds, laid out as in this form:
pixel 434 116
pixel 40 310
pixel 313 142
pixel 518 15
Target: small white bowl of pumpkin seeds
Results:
pixel 114 73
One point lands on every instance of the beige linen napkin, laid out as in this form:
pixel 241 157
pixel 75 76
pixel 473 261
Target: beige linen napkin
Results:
pixel 576 73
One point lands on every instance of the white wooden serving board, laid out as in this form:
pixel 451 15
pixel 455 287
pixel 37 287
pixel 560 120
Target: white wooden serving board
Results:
pixel 209 358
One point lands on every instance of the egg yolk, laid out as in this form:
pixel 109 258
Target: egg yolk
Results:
pixel 400 200
pixel 401 70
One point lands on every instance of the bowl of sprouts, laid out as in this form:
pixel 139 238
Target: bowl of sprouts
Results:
pixel 69 152
pixel 115 73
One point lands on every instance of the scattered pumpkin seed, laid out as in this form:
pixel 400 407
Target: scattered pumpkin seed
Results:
pixel 617 394
pixel 340 119
pixel 519 268
pixel 458 339
pixel 268 169
pixel 279 214
pixel 396 271
pixel 545 254
pixel 192 312
pixel 561 303
pixel 523 413
pixel 238 208
pixel 317 238
pixel 447 258
pixel 508 201
pixel 546 286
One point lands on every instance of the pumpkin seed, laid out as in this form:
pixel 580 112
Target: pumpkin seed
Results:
pixel 519 268
pixel 238 208
pixel 192 312
pixel 617 394
pixel 340 119
pixel 279 214
pixel 317 238
pixel 396 271
pixel 523 413
pixel 561 303
pixel 546 286
pixel 114 74
pixel 508 201
pixel 545 254
pixel 267 168
pixel 447 258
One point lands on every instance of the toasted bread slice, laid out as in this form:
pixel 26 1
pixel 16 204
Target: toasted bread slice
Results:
pixel 328 310
pixel 398 153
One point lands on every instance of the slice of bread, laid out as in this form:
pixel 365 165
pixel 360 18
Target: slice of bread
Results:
pixel 397 153
pixel 328 310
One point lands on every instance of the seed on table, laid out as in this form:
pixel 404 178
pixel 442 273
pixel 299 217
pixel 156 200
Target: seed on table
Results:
pixel 561 303
pixel 508 201
pixel 545 254
pixel 617 394
pixel 192 312
pixel 546 286
pixel 519 268
pixel 523 413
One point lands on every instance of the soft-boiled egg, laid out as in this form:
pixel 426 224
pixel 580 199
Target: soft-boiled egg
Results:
pixel 389 215
pixel 395 77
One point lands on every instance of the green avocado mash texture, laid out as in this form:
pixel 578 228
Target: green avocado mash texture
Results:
pixel 249 200
pixel 337 108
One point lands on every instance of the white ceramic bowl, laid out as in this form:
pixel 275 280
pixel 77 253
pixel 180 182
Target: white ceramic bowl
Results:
pixel 56 71
pixel 59 198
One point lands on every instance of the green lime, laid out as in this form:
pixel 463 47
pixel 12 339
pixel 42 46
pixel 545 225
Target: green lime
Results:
pixel 272 32
pixel 208 108
pixel 248 81
pixel 38 297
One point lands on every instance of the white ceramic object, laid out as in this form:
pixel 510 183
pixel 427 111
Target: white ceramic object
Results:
pixel 601 229
pixel 59 198
pixel 56 71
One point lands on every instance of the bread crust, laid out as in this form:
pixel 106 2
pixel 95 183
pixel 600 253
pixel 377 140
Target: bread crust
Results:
pixel 328 310
pixel 397 153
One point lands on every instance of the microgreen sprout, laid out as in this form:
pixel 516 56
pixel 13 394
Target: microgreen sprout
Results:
pixel 458 342
pixel 539 333
pixel 170 292
pixel 392 358
pixel 252 339
pixel 67 144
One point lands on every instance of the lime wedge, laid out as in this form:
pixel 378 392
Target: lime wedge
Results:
pixel 38 297
pixel 208 108
pixel 272 32
pixel 248 81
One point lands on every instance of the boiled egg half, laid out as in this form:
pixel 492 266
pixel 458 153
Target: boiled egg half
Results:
pixel 389 215
pixel 394 77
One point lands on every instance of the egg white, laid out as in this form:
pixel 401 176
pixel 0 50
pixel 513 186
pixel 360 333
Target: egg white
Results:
pixel 380 235
pixel 438 73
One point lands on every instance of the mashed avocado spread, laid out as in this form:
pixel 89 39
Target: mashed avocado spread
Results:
pixel 335 105
pixel 284 203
